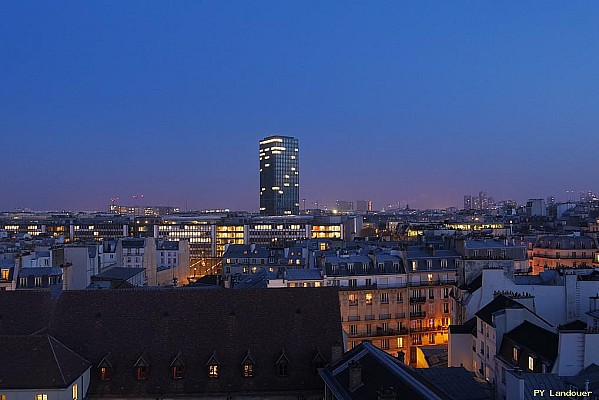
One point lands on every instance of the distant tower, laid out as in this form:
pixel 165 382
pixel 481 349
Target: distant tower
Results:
pixel 279 175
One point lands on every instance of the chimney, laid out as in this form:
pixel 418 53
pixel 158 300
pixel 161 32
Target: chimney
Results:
pixel 355 375
pixel 386 394
pixel 336 352
pixel 401 357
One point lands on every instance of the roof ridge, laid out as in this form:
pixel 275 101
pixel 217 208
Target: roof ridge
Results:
pixel 56 359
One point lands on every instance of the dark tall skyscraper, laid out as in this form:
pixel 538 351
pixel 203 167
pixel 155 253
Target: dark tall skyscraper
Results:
pixel 279 175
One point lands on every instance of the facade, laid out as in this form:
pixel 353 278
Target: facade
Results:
pixel 555 251
pixel 279 176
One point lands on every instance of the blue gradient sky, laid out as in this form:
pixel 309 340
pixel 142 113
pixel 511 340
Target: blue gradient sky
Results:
pixel 416 102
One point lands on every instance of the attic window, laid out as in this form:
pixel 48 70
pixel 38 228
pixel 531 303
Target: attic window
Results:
pixel 283 365
pixel 141 369
pixel 515 353
pixel 248 370
pixel 318 361
pixel 105 373
pixel 178 367
pixel 213 366
pixel 105 369
pixel 247 366
pixel 141 372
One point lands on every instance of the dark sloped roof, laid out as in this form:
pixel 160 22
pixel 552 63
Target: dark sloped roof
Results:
pixel 118 273
pixel 500 302
pixel 195 323
pixel 576 325
pixel 24 312
pixel 467 327
pixel 40 271
pixel 380 370
pixel 458 383
pixel 531 341
pixel 38 362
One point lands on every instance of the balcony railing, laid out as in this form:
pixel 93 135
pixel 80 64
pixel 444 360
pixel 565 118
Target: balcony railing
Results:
pixel 400 315
pixel 369 317
pixel 353 318
pixel 417 299
pixel 428 328
pixel 384 316
pixel 434 282
pixel 380 332
pixel 417 314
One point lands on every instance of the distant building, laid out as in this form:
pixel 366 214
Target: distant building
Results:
pixel 279 176
pixel 467 202
pixel 364 205
pixel 536 208
pixel 555 251
pixel 344 206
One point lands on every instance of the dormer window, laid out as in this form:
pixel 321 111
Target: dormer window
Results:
pixel 105 373
pixel 213 366
pixel 247 366
pixel 282 365
pixel 141 369
pixel 105 368
pixel 318 361
pixel 429 264
pixel 515 351
pixel 178 367
pixel 141 372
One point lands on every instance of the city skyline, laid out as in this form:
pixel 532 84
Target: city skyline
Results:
pixel 397 102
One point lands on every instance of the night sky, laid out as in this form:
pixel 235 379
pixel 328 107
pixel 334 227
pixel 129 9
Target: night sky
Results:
pixel 417 102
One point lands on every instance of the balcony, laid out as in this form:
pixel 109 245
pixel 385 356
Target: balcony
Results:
pixel 353 303
pixel 400 315
pixel 380 332
pixel 417 314
pixel 417 299
pixel 353 318
pixel 384 316
pixel 428 329
pixel 434 282
pixel 369 317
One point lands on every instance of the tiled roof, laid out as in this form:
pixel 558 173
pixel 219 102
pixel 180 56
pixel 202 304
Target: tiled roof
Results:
pixel 194 323
pixel 38 362
pixel 40 271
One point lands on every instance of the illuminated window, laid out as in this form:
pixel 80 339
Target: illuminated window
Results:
pixel 248 370
pixel 141 372
pixel 368 298
pixel 430 277
pixel 213 371
pixel 414 265
pixel 178 371
pixel 105 373
pixel 75 392
pixel 515 354
pixel 4 274
pixel 41 396
pixel 531 363
pixel 400 342
pixel 353 299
